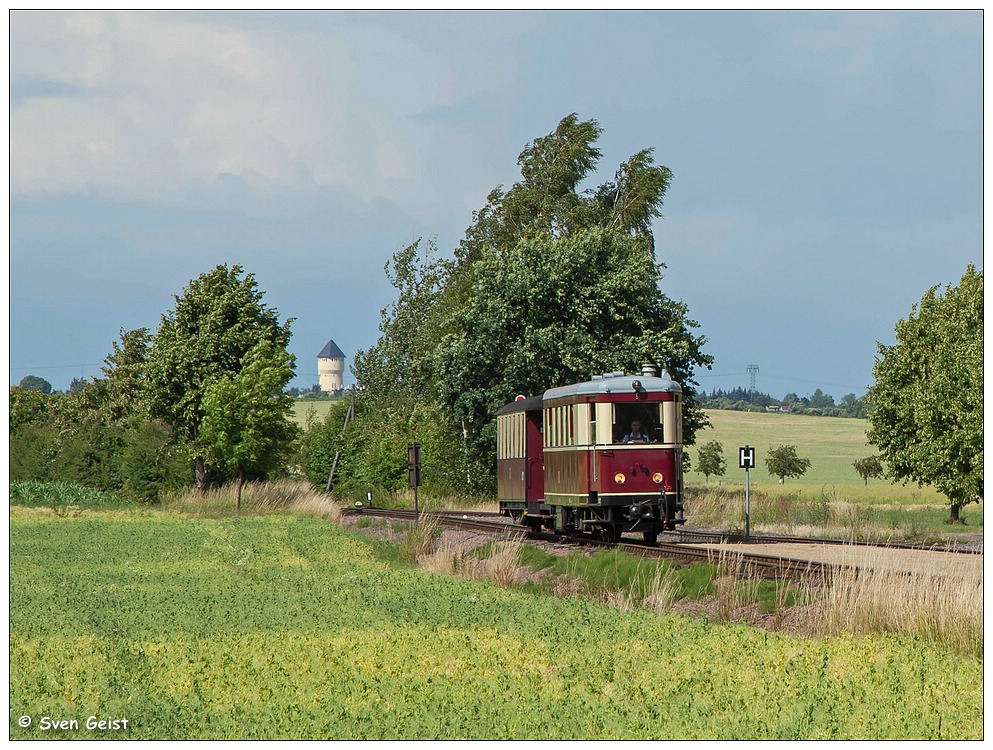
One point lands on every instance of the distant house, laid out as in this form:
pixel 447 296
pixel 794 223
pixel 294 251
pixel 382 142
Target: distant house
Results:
pixel 330 367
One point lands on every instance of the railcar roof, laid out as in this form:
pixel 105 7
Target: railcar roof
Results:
pixel 616 384
pixel 526 404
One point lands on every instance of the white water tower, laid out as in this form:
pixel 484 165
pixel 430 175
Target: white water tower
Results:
pixel 330 367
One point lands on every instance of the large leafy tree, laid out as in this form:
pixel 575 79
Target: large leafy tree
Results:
pixel 926 406
pixel 219 318
pixel 35 383
pixel 549 312
pixel 398 365
pixel 125 374
pixel 547 201
pixel 246 427
pixel 550 284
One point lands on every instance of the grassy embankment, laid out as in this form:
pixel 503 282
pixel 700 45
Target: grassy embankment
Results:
pixel 282 625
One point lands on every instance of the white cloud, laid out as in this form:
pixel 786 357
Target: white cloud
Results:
pixel 138 103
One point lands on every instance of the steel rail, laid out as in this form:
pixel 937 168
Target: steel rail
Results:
pixel 716 536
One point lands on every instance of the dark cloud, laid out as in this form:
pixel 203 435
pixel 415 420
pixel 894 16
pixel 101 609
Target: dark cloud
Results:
pixel 828 167
pixel 39 87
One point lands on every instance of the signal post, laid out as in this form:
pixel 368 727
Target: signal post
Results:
pixel 414 472
pixel 746 461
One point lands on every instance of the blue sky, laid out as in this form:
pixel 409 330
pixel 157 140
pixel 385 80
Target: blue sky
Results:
pixel 827 166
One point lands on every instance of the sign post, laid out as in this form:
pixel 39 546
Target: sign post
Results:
pixel 414 472
pixel 746 461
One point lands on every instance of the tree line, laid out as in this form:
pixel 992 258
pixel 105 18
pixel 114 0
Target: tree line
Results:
pixel 550 284
pixel 818 404
pixel 203 397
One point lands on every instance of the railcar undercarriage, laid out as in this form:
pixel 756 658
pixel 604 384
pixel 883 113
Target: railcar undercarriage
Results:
pixel 605 522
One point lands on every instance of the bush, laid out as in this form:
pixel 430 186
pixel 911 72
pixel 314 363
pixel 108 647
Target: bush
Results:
pixel 74 438
pixel 373 449
pixel 34 494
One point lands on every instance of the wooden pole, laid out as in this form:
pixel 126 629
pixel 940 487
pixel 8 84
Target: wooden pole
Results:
pixel 349 416
pixel 334 466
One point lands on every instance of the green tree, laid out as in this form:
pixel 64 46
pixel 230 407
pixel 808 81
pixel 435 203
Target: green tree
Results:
pixel 710 460
pixel 246 426
pixel 34 383
pixel 99 434
pixel 549 312
pixel 853 406
pixel 868 468
pixel 547 203
pixel 783 462
pixel 126 378
pixel 219 318
pixel 550 284
pixel 398 365
pixel 926 407
pixel 28 407
pixel 821 400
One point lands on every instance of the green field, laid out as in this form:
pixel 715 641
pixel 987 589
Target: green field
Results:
pixel 831 444
pixel 290 627
pixel 301 409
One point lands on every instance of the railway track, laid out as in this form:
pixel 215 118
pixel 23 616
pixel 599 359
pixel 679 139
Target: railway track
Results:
pixel 698 536
pixel 747 563
pixel 715 537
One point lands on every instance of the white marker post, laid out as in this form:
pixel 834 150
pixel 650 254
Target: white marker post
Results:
pixel 746 461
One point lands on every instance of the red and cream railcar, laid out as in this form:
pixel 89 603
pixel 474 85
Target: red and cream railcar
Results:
pixel 603 456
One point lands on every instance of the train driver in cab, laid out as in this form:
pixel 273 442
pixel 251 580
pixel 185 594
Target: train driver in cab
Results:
pixel 636 435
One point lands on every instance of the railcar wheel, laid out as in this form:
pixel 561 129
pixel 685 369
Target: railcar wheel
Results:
pixel 609 534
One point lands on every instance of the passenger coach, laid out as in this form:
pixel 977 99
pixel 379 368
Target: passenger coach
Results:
pixel 603 456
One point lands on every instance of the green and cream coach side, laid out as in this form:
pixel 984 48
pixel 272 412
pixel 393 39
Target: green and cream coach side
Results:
pixel 603 456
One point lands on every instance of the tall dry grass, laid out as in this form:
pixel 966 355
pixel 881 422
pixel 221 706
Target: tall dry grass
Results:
pixel 735 584
pixel 499 564
pixel 937 606
pixel 257 498
pixel 404 498
pixel 420 538
pixel 814 512
pixel 663 591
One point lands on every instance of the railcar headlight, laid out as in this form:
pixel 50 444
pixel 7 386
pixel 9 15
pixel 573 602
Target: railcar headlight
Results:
pixel 657 477
pixel 620 477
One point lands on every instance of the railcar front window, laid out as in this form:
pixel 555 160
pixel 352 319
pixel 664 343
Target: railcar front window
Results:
pixel 645 419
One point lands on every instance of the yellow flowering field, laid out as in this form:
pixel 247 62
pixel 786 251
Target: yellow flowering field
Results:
pixel 139 624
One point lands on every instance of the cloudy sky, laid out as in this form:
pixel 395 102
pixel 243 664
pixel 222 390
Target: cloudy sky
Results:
pixel 827 166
